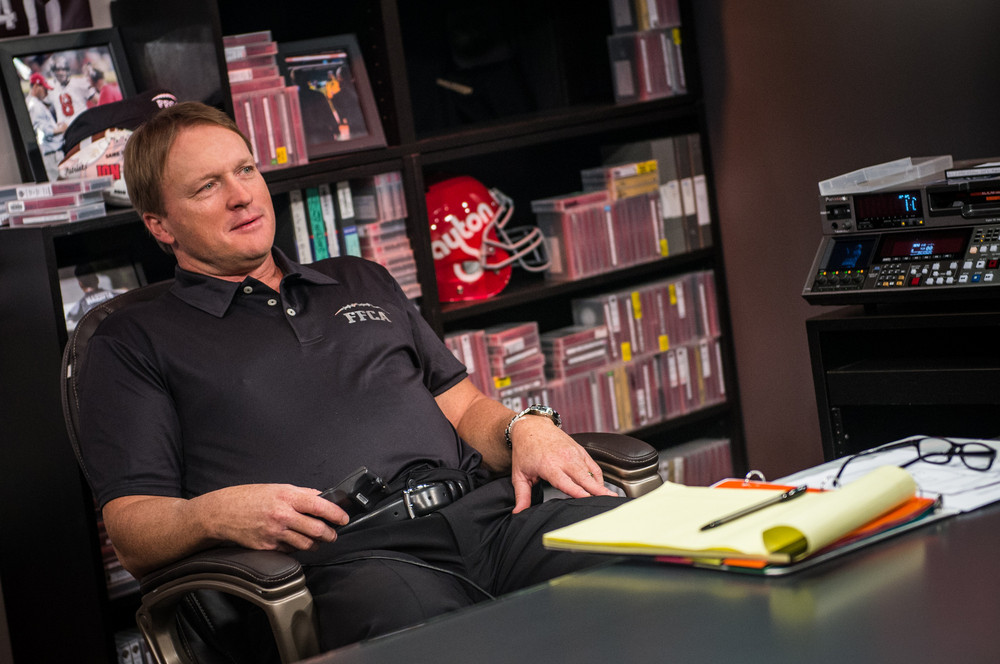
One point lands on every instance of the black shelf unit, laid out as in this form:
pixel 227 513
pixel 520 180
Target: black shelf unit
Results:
pixel 534 152
pixel 886 373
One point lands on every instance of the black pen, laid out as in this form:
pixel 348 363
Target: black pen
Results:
pixel 780 498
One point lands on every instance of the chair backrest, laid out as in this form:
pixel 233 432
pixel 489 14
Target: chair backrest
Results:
pixel 75 354
pixel 196 614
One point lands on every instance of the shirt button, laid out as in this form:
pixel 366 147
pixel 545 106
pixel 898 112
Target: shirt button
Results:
pixel 272 302
pixel 290 311
pixel 248 289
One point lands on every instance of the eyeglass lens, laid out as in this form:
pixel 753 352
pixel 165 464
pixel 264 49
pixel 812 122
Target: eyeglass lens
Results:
pixel 975 456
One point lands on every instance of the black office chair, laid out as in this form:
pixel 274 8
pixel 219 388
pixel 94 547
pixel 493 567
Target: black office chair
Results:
pixel 186 612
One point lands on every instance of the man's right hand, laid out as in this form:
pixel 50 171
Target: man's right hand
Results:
pixel 149 532
pixel 273 516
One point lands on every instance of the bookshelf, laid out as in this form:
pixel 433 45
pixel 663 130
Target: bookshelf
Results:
pixel 530 147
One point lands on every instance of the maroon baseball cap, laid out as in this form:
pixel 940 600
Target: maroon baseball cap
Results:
pixel 38 79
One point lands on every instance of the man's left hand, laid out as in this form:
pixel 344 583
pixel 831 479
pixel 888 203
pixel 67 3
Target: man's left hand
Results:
pixel 541 451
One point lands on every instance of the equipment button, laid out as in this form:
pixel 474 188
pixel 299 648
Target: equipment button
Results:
pixel 976 278
pixel 988 276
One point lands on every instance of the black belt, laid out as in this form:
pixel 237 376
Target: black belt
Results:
pixel 416 500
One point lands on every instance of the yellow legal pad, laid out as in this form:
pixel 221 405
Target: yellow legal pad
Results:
pixel 668 521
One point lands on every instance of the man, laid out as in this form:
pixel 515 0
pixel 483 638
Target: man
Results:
pixel 48 134
pixel 71 95
pixel 92 296
pixel 218 412
pixel 107 93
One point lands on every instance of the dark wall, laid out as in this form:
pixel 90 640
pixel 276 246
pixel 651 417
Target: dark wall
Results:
pixel 799 91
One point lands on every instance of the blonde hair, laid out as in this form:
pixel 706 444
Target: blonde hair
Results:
pixel 149 146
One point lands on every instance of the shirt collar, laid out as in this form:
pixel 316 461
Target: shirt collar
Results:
pixel 213 295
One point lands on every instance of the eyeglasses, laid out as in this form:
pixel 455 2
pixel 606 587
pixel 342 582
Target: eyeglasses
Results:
pixel 939 451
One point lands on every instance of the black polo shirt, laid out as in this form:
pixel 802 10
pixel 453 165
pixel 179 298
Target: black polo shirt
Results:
pixel 219 383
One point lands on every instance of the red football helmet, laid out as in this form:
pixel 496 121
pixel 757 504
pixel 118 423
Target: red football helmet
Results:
pixel 473 248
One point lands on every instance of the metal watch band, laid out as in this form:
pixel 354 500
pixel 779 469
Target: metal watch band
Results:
pixel 534 409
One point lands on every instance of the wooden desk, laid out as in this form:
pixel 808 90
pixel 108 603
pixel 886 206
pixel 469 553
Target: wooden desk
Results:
pixel 931 595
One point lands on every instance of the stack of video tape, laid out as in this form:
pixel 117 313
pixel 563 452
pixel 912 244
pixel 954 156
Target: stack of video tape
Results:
pixel 665 335
pixel 589 233
pixel 653 317
pixel 633 15
pixel 645 50
pixel 575 398
pixel 574 350
pixel 634 188
pixel 644 391
pixel 684 195
pixel 613 398
pixel 469 346
pixel 623 180
pixel 386 243
pixel 691 377
pixel 516 362
pixel 379 198
pixel 578 232
pixel 520 399
pixel 699 462
pixel 380 212
pixel 58 202
pixel 266 108
pixel 614 223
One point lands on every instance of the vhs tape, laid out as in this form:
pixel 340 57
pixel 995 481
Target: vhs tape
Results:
pixel 59 201
pixel 57 215
pixel 647 64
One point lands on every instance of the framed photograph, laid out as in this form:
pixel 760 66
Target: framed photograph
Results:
pixel 85 286
pixel 338 107
pixel 50 80
pixel 19 18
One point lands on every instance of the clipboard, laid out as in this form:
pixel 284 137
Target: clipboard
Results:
pixel 674 523
pixel 916 513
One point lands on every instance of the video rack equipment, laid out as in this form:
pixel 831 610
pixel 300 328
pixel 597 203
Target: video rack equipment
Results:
pixel 929 230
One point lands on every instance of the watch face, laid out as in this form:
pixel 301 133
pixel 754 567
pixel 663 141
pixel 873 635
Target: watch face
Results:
pixel 534 409
pixel 540 409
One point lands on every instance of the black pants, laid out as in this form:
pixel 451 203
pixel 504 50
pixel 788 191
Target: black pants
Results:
pixel 382 579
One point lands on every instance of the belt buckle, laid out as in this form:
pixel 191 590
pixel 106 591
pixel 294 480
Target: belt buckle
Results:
pixel 408 502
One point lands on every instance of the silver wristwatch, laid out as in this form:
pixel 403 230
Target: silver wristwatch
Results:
pixel 534 409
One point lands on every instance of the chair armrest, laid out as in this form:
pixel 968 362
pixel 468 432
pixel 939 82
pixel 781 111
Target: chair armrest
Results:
pixel 626 462
pixel 266 569
pixel 269 580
